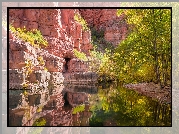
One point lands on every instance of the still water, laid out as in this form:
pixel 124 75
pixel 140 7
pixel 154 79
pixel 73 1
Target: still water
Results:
pixel 82 105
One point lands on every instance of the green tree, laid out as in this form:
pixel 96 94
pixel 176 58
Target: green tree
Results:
pixel 148 46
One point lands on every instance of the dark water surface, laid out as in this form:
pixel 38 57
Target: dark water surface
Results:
pixel 81 105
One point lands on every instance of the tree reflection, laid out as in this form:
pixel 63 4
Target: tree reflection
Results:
pixel 123 107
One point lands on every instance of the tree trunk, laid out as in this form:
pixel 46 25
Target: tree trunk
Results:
pixel 156 65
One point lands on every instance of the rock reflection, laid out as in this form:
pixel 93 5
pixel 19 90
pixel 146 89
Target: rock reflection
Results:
pixel 73 105
pixel 62 110
pixel 56 109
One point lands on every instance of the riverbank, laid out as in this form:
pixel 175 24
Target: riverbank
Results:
pixel 153 91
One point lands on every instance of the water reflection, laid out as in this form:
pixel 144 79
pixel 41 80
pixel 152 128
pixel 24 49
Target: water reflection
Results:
pixel 123 107
pixel 79 105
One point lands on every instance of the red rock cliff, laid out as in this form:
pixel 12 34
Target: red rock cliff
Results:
pixel 63 34
pixel 114 27
pixel 57 26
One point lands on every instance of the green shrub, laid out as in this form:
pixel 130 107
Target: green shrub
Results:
pixel 80 55
pixel 84 24
pixel 34 37
pixel 79 108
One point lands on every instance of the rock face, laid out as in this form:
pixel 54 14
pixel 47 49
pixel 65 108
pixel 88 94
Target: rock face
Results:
pixel 57 26
pixel 115 28
pixel 63 34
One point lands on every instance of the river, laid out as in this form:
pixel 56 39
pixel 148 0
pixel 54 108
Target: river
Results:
pixel 86 105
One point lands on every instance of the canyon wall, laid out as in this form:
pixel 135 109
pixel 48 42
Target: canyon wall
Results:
pixel 115 28
pixel 58 26
pixel 63 34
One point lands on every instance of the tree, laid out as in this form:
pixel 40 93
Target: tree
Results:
pixel 148 45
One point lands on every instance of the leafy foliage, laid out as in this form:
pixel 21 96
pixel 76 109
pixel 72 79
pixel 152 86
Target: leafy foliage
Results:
pixel 79 19
pixel 39 122
pixel 146 52
pixel 34 37
pixel 145 55
pixel 79 108
pixel 80 55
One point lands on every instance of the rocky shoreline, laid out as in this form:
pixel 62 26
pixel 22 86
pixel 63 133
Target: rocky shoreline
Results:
pixel 153 91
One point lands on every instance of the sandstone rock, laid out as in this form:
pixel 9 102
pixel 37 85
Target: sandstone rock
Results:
pixel 15 22
pixel 57 77
pixel 76 98
pixel 86 37
pixel 16 59
pixel 53 65
pixel 45 30
pixel 77 44
pixel 63 34
pixel 80 78
pixel 14 46
pixel 55 33
pixel 34 100
pixel 31 14
pixel 16 13
pixel 78 31
pixel 32 25
pixel 86 48
pixel 15 79
pixel 105 19
pixel 32 77
pixel 75 65
pixel 48 23
pixel 24 23
pixel 86 89
pixel 67 15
